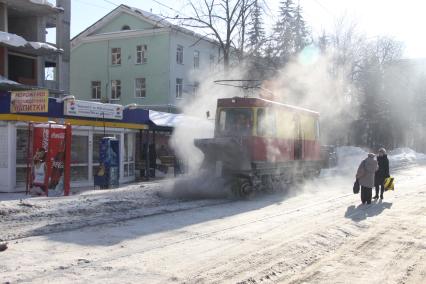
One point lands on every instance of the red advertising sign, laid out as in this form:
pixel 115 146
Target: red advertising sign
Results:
pixel 49 161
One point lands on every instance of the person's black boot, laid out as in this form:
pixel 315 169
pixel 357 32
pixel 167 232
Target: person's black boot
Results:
pixel 381 196
pixel 376 197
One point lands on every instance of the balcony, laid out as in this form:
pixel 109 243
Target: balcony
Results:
pixel 32 7
pixel 19 44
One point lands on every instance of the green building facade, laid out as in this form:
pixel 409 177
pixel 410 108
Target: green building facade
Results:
pixel 132 56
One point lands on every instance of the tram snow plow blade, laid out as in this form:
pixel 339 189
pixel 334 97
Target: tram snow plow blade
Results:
pixel 230 154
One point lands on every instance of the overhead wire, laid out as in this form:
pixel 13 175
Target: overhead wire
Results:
pixel 112 3
pixel 91 4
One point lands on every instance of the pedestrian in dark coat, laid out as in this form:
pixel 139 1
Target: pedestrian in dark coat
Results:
pixel 382 173
pixel 365 176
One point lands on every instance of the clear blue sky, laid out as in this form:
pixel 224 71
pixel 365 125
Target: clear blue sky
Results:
pixel 405 21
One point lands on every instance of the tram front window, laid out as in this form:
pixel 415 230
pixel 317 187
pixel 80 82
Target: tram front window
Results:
pixel 236 122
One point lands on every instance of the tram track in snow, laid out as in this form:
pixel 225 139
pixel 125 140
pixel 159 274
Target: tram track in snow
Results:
pixel 237 227
pixel 107 219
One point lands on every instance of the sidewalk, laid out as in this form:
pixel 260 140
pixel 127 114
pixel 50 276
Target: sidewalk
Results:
pixel 10 196
pixel 13 196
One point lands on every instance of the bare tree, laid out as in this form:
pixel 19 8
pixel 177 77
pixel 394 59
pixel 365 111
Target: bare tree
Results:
pixel 224 20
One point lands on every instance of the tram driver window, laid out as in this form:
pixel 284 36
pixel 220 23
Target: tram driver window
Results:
pixel 235 121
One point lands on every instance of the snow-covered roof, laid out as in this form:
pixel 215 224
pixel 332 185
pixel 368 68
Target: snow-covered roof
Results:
pixel 6 81
pixel 9 85
pixel 35 7
pixel 173 120
pixel 156 20
pixel 164 119
pixel 162 21
pixel 13 40
pixel 43 2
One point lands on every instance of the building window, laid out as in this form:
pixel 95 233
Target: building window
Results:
pixel 212 63
pixel 26 73
pixel 116 56
pixel 115 89
pixel 179 86
pixel 179 54
pixel 129 155
pixel 125 28
pixel 51 35
pixel 49 71
pixel 140 87
pixel 79 158
pixel 96 90
pixel 141 54
pixel 196 59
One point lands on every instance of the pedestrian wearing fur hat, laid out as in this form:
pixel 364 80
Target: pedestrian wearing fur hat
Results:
pixel 382 173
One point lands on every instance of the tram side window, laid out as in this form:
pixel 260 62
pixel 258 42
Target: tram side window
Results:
pixel 265 123
pixel 222 121
pixel 235 121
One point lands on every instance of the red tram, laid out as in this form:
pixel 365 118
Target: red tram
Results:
pixel 261 144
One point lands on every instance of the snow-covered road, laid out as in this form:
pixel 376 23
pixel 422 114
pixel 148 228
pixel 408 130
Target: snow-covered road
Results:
pixel 318 235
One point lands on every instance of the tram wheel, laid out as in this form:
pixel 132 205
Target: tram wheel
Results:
pixel 246 190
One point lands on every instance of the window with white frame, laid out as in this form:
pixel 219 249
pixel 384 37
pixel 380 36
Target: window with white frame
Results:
pixel 115 89
pixel 141 54
pixel 179 54
pixel 96 90
pixel 140 87
pixel 116 56
pixel 80 157
pixel 179 87
pixel 50 71
pixel 212 63
pixel 196 59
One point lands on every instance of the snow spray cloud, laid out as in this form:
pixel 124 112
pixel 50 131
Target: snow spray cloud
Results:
pixel 310 80
pixel 199 183
pixel 197 125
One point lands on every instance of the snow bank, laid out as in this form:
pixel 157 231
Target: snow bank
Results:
pixel 401 156
pixel 349 157
pixel 21 216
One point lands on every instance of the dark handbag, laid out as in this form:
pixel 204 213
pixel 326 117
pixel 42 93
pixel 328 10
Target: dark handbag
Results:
pixel 356 187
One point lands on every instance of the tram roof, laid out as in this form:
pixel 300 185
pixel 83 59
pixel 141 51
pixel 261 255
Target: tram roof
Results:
pixel 260 102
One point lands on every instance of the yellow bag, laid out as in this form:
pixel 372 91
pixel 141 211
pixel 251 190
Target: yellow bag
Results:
pixel 389 184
